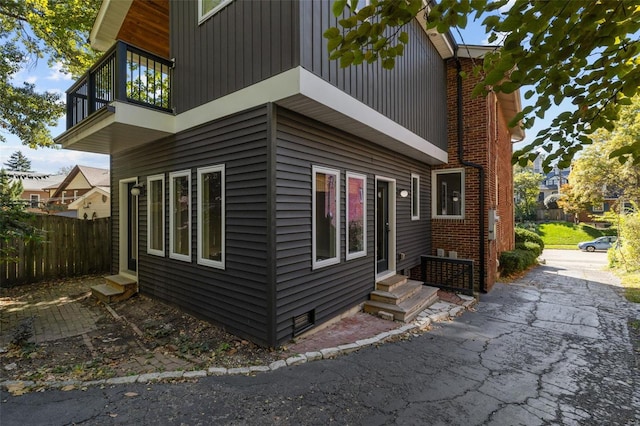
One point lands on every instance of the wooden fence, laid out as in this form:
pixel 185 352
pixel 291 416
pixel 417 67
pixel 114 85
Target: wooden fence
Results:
pixel 70 247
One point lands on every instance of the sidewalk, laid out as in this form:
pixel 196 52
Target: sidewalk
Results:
pixel 62 320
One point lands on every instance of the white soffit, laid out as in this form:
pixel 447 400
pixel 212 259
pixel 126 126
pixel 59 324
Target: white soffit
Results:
pixel 108 22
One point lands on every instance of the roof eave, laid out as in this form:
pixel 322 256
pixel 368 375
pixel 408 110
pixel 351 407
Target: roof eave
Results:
pixel 108 22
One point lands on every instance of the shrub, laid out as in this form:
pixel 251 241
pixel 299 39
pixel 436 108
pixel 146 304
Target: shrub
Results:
pixel 528 245
pixel 523 236
pixel 516 260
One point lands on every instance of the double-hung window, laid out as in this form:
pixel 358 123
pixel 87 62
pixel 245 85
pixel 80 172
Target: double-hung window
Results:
pixel 325 216
pixel 356 215
pixel 180 216
pixel 155 215
pixel 211 216
pixel 448 193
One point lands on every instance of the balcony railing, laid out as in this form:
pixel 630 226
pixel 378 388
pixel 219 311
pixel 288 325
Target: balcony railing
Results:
pixel 124 73
pixel 448 274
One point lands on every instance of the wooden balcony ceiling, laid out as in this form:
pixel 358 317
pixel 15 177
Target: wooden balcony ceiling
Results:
pixel 147 26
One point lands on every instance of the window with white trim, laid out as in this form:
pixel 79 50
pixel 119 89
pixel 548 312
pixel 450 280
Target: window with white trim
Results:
pixel 598 207
pixel 325 216
pixel 64 197
pixel 208 8
pixel 448 193
pixel 356 214
pixel 415 196
pixel 34 201
pixel 155 215
pixel 180 215
pixel 211 216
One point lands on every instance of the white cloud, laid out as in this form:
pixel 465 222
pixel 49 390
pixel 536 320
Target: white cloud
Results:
pixel 56 73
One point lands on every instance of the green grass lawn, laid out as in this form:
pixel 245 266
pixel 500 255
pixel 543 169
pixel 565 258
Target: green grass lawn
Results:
pixel 566 235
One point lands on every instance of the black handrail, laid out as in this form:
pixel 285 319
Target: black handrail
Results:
pixel 124 73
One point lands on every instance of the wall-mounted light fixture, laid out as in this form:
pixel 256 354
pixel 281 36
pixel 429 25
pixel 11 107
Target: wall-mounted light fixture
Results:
pixel 404 193
pixel 456 196
pixel 137 189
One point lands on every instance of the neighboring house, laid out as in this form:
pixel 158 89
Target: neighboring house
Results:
pixel 94 204
pixel 552 183
pixel 257 184
pixel 34 185
pixel 75 187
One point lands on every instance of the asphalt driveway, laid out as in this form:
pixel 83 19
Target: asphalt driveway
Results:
pixel 550 348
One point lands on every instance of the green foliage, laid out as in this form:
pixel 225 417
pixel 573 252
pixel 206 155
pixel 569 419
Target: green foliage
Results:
pixel 15 222
pixel 568 235
pixel 514 261
pixel 526 236
pixel 585 52
pixel 18 162
pixel 30 31
pixel 528 245
pixel 627 254
pixel 526 186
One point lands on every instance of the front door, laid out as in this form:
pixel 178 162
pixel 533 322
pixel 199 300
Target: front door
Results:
pixel 382 226
pixel 132 229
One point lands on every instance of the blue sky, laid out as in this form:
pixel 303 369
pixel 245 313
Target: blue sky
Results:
pixel 48 160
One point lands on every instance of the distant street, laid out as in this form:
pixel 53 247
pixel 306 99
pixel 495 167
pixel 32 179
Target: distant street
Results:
pixel 550 348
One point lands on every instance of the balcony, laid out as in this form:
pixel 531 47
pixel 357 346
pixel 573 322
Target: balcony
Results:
pixel 121 102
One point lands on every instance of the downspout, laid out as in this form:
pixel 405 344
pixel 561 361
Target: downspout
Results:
pixel 480 168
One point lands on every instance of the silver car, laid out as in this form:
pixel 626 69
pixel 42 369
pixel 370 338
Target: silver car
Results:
pixel 602 243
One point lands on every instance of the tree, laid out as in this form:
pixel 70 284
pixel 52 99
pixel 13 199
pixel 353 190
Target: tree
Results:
pixel 584 52
pixel 15 222
pixel 600 172
pixel 526 187
pixel 18 162
pixel 33 30
pixel 64 170
pixel 570 202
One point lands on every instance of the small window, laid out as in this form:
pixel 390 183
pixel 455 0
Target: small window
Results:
pixel 325 217
pixel 75 195
pixel 64 197
pixel 155 215
pixel 180 216
pixel 207 8
pixel 448 193
pixel 356 215
pixel 211 216
pixel 34 201
pixel 598 208
pixel 415 196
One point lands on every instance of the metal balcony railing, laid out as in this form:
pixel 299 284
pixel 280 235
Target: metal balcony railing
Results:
pixel 124 73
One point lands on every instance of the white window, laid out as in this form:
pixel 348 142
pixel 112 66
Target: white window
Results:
pixel 64 197
pixel 75 195
pixel 180 216
pixel 415 196
pixel 598 207
pixel 34 201
pixel 325 217
pixel 155 215
pixel 211 216
pixel 356 215
pixel 448 193
pixel 207 8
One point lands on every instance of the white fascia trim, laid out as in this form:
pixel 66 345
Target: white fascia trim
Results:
pixel 296 81
pixel 325 93
pixel 108 22
pixel 273 89
pixel 134 115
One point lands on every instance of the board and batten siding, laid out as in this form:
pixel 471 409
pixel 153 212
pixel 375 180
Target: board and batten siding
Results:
pixel 413 94
pixel 236 296
pixel 302 143
pixel 242 44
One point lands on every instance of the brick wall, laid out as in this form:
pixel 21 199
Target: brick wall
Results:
pixel 487 142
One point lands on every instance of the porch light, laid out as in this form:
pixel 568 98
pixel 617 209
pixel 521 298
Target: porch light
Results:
pixel 137 189
pixel 404 193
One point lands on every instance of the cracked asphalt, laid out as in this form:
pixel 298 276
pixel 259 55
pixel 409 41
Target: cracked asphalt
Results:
pixel 551 348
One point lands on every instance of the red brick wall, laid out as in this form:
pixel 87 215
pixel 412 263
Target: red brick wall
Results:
pixel 486 142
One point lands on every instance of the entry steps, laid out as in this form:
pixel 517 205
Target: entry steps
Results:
pixel 401 297
pixel 115 289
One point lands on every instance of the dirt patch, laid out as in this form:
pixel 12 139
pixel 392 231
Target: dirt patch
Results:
pixel 144 336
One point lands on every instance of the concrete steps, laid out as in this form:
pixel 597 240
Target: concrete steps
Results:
pixel 115 289
pixel 401 297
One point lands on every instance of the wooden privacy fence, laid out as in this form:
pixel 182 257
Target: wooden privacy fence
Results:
pixel 70 247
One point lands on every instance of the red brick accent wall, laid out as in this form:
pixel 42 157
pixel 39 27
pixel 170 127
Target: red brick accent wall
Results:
pixel 486 142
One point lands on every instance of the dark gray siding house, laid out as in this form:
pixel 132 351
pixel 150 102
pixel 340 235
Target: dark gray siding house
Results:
pixel 273 188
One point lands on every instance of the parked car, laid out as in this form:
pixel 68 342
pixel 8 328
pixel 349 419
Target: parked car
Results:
pixel 602 243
